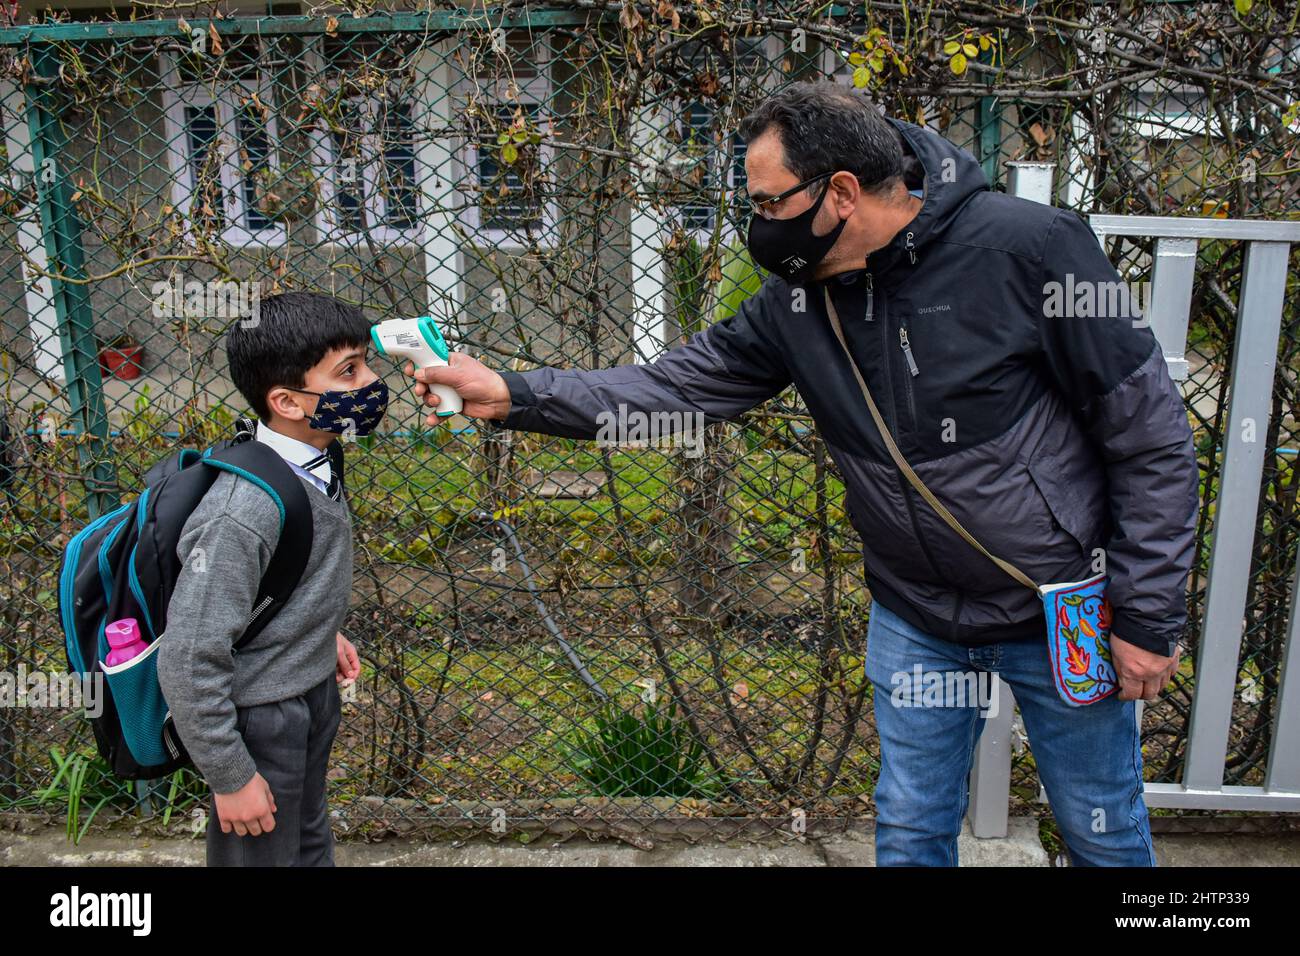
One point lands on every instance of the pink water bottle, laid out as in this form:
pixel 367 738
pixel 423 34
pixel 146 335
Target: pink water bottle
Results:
pixel 125 641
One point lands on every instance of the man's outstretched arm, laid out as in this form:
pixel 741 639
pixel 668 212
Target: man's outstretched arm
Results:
pixel 719 373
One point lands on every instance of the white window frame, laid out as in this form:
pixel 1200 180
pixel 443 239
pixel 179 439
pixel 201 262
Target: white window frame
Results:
pixel 722 170
pixel 722 161
pixel 177 96
pixel 528 92
pixel 330 229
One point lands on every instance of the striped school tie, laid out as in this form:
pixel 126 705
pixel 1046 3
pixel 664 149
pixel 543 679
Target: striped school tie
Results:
pixel 334 488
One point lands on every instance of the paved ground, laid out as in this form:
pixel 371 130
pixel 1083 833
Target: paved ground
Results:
pixel 49 847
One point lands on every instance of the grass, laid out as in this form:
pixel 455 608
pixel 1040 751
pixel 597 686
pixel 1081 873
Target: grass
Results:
pixel 509 711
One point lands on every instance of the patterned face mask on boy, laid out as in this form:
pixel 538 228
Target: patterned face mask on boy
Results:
pixel 357 410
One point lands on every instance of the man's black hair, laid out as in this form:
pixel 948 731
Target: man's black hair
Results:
pixel 825 127
pixel 292 332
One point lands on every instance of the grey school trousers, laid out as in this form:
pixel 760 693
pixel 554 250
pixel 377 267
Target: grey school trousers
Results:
pixel 290 741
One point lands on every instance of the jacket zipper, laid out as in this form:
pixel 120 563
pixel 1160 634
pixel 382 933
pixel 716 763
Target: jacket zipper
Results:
pixel 906 346
pixel 891 412
pixel 871 305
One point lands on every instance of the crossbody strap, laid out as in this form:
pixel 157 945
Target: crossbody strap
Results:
pixel 905 468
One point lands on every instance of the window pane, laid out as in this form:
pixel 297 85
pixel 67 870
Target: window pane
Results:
pixel 207 200
pixel 349 169
pixel 697 146
pixel 397 181
pixel 507 199
pixel 739 198
pixel 254 163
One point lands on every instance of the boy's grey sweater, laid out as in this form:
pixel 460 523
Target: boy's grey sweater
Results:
pixel 237 526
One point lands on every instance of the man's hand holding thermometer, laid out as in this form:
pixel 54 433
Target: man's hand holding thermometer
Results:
pixel 448 382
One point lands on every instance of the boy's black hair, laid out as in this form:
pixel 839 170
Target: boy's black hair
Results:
pixel 292 332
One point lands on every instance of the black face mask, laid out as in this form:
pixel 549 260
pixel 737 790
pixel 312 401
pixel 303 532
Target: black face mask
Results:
pixel 789 247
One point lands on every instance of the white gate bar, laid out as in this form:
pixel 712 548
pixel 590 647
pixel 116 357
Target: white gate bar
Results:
pixel 1254 360
pixel 1257 799
pixel 648 233
pixel 990 777
pixel 1284 752
pixel 1189 227
pixel 436 177
pixel 1030 180
pixel 1170 307
pixel 38 292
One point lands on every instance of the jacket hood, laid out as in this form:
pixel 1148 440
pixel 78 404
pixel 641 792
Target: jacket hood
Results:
pixel 952 177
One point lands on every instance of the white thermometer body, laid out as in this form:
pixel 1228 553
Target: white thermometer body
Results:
pixel 420 341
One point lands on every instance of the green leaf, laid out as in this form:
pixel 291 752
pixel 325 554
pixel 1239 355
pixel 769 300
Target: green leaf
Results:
pixel 861 77
pixel 958 63
pixel 509 153
pixel 1243 7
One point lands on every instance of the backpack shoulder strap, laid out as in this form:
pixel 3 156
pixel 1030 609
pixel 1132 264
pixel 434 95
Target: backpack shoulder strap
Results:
pixel 257 462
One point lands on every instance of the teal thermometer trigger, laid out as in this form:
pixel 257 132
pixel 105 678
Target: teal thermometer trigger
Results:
pixel 420 341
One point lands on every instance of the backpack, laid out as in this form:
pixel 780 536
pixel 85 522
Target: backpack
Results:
pixel 124 564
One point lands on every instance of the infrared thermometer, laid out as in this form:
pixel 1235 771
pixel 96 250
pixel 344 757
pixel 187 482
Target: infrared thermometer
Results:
pixel 420 341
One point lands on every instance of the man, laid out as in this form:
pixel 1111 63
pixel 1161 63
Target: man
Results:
pixel 1053 434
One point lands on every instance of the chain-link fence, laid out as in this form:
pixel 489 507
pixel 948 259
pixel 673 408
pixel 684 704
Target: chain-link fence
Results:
pixel 649 635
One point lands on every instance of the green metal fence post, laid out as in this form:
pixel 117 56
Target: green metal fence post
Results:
pixel 990 136
pixel 62 232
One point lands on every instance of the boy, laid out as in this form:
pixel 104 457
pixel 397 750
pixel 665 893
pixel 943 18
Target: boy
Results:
pixel 259 724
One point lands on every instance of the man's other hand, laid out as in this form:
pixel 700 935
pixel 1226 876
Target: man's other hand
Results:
pixel 1142 674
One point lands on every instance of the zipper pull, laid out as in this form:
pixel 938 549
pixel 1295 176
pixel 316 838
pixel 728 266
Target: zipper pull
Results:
pixel 906 346
pixel 870 304
pixel 911 252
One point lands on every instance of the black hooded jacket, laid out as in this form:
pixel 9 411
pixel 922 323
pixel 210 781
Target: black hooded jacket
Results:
pixel 1035 404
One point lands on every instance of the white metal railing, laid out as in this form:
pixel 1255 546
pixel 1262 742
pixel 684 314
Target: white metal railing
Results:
pixel 1236 510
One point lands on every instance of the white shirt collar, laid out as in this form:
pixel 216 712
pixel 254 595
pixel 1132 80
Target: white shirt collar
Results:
pixel 296 452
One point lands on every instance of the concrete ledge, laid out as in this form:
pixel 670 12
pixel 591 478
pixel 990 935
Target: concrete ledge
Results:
pixel 49 847
pixel 1020 848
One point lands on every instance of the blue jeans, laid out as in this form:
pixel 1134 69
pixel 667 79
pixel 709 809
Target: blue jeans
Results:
pixel 1089 758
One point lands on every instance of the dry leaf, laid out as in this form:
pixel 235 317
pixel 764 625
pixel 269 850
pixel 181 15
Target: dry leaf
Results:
pixel 629 17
